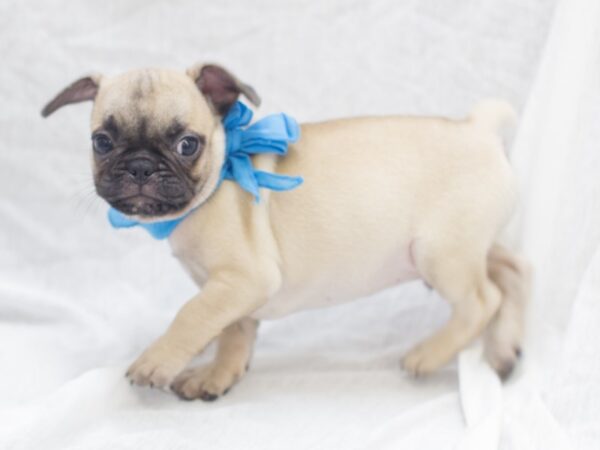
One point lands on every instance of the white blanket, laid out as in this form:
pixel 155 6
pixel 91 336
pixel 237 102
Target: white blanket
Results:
pixel 79 301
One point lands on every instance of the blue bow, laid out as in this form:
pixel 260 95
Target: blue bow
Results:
pixel 271 134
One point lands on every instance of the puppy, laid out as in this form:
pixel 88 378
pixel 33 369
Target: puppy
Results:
pixel 384 200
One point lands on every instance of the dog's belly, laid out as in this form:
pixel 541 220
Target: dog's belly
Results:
pixel 339 285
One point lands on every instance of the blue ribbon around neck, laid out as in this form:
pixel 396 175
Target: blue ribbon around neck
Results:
pixel 271 134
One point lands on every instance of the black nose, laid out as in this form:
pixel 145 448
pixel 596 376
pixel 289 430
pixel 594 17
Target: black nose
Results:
pixel 141 169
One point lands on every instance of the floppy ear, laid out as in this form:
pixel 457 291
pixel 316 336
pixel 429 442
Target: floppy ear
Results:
pixel 220 87
pixel 80 91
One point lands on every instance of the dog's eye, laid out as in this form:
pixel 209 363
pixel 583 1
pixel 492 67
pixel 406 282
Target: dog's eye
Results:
pixel 187 146
pixel 102 144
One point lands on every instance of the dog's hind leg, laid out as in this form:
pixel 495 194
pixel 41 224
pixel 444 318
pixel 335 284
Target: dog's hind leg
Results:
pixel 231 362
pixel 504 336
pixel 458 271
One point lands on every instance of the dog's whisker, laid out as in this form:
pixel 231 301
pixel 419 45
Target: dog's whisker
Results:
pixel 85 202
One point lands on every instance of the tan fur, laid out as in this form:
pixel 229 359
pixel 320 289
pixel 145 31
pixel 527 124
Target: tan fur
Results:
pixel 385 200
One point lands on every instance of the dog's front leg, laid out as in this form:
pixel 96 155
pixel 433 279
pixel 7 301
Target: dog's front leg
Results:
pixel 225 299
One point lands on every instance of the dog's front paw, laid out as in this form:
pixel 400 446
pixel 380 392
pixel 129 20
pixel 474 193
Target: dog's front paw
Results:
pixel 206 383
pixel 157 366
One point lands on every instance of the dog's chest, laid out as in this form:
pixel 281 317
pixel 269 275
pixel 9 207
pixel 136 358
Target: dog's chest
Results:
pixel 193 267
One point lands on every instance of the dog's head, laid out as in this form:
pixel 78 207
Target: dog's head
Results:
pixel 157 140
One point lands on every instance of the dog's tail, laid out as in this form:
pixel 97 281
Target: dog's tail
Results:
pixel 494 114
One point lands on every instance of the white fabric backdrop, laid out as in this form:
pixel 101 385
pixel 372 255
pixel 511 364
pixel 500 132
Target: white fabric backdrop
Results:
pixel 79 301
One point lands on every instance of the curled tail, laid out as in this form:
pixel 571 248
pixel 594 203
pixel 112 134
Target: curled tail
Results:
pixel 493 114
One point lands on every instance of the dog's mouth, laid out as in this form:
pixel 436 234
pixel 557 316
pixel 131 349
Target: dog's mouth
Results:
pixel 145 206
